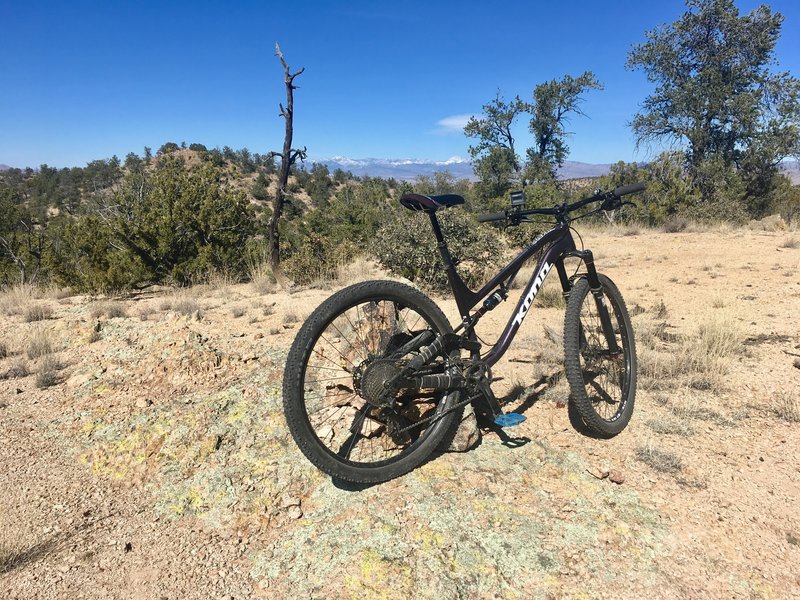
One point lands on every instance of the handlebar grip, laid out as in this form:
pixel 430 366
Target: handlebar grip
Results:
pixel 492 217
pixel 624 190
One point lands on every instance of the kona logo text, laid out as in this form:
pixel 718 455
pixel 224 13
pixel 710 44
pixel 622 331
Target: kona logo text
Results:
pixel 537 283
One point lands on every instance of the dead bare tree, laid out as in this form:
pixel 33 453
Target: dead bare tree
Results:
pixel 289 157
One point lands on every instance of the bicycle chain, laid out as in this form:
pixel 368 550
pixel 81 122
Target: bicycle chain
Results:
pixel 437 417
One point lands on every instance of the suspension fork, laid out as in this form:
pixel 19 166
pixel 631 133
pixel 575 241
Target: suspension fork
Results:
pixel 599 296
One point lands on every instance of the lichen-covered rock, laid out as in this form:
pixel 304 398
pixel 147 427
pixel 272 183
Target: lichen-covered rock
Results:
pixel 468 434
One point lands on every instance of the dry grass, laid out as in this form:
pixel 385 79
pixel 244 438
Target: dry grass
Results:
pixel 145 312
pixel 111 310
pixel 791 242
pixel 659 460
pixel 699 361
pixel 630 230
pixel 10 549
pixel 290 318
pixel 523 277
pixel 47 374
pixel 238 311
pixel 53 292
pixel 18 369
pixel 787 406
pixel 354 271
pixel 659 310
pixel 3 350
pixel 37 312
pixel 670 425
pixel 182 301
pixel 259 271
pixel 551 295
pixel 675 225
pixel 187 306
pixel 16 299
pixel 40 344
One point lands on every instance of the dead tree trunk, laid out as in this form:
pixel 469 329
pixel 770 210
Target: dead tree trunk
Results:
pixel 288 157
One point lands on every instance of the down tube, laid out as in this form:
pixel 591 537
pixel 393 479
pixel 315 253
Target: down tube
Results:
pixel 553 254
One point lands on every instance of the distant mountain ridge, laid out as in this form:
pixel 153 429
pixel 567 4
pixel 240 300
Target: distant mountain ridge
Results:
pixel 408 169
pixel 4 167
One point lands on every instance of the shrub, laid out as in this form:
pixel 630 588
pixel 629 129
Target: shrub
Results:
pixel 111 310
pixel 39 344
pixel 48 372
pixel 18 369
pixel 660 460
pixel 405 245
pixel 170 225
pixel 317 259
pixel 787 406
pixel 37 312
pixel 675 224
pixel 185 306
pixel 15 300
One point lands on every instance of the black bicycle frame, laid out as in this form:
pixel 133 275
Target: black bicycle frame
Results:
pixel 560 245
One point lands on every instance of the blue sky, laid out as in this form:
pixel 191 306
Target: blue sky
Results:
pixel 86 80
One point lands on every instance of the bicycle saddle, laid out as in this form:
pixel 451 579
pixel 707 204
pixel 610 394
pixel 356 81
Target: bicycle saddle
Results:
pixel 430 203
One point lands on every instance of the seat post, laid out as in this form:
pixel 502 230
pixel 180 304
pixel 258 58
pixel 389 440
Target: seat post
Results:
pixel 465 298
pixel 441 243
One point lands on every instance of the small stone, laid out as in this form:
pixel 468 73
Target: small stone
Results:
pixel 78 379
pixel 294 512
pixel 142 403
pixel 616 476
pixel 797 363
pixel 287 501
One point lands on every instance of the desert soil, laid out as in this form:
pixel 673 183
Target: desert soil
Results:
pixel 158 464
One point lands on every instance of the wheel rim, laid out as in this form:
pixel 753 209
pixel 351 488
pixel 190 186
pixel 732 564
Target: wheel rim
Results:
pixel 343 377
pixel 606 375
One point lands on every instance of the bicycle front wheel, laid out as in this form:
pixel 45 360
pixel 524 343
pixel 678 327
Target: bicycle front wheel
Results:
pixel 602 380
pixel 333 386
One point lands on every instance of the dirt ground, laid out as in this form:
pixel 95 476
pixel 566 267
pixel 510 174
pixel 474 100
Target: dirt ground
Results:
pixel 143 452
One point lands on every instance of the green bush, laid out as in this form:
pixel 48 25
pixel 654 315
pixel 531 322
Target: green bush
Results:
pixel 318 259
pixel 405 245
pixel 173 225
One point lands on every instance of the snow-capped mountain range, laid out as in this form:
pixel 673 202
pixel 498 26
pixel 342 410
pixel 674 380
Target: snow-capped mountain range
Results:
pixel 459 167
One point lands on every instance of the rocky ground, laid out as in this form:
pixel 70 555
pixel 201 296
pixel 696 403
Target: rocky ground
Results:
pixel 143 452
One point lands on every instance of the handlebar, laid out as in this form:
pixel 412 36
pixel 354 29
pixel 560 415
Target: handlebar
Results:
pixel 492 217
pixel 610 201
pixel 632 188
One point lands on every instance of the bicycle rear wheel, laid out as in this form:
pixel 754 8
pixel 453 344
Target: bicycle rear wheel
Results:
pixel 335 375
pixel 602 382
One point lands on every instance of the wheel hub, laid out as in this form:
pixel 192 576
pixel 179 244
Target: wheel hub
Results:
pixel 370 382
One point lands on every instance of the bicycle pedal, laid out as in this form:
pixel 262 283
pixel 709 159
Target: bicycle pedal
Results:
pixel 509 419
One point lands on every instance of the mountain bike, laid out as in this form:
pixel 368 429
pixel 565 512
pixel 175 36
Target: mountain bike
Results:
pixel 377 377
